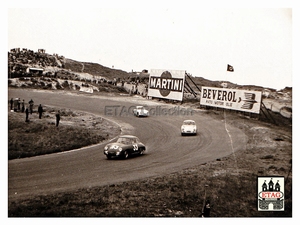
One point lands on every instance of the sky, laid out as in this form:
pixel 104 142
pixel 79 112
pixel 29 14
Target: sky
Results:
pixel 201 40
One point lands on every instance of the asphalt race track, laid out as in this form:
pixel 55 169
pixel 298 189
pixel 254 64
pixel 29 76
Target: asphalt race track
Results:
pixel 167 151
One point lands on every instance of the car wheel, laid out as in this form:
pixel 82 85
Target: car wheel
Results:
pixel 108 157
pixel 125 156
pixel 142 151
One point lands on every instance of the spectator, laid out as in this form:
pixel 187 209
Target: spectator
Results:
pixel 16 104
pixel 31 102
pixel 40 111
pixel 11 103
pixel 27 114
pixel 19 104
pixel 23 105
pixel 57 117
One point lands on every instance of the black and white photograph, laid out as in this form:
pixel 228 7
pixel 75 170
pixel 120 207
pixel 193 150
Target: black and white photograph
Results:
pixel 140 110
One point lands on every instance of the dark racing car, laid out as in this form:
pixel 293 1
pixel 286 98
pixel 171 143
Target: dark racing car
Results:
pixel 125 146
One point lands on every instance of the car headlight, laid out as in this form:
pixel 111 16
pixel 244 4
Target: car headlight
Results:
pixel 120 149
pixel 106 152
pixel 106 147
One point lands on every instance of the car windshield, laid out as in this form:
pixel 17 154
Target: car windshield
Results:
pixel 188 123
pixel 126 141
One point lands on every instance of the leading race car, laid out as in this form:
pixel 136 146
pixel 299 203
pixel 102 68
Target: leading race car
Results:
pixel 125 146
pixel 188 127
pixel 140 111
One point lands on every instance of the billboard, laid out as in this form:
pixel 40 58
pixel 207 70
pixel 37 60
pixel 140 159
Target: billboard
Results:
pixel 241 100
pixel 168 84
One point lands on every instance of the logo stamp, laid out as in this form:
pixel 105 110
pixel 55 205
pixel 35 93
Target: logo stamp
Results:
pixel 270 193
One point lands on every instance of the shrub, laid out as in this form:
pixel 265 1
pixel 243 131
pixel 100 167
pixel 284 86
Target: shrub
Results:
pixel 65 84
pixel 58 86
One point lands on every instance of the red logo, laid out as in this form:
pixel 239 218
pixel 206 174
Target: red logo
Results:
pixel 273 195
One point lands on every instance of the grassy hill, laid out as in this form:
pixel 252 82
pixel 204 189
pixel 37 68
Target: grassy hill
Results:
pixel 95 69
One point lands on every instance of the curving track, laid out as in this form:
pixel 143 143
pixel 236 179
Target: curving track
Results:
pixel 167 151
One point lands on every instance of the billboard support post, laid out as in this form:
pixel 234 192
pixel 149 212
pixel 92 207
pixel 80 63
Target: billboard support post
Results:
pixel 192 81
pixel 190 89
pixel 270 116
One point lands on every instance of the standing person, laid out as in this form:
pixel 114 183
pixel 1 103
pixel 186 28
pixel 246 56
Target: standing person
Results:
pixel 27 114
pixel 19 104
pixel 16 104
pixel 11 103
pixel 23 105
pixel 57 117
pixel 31 102
pixel 40 110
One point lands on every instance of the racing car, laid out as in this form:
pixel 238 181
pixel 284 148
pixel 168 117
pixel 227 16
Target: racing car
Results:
pixel 140 111
pixel 125 146
pixel 188 127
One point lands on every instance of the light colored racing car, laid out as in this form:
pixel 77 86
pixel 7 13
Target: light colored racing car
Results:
pixel 188 127
pixel 140 111
pixel 125 146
